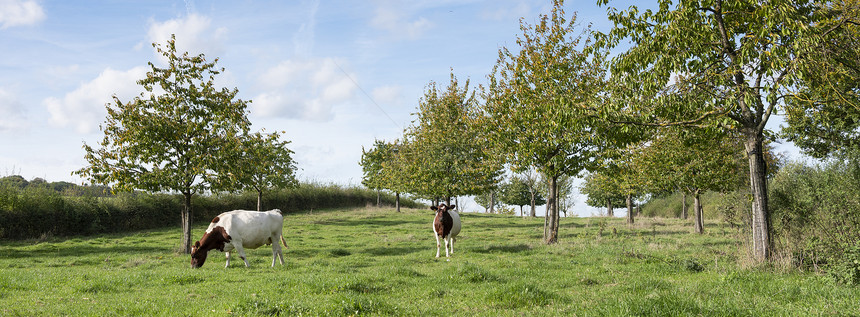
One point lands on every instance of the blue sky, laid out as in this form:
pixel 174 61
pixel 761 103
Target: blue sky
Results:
pixel 334 75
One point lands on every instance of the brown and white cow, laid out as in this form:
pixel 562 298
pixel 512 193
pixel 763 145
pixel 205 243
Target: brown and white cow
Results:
pixel 241 229
pixel 446 225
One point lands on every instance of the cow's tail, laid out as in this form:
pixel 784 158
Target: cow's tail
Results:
pixel 284 242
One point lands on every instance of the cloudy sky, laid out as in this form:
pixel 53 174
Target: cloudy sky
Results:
pixel 335 75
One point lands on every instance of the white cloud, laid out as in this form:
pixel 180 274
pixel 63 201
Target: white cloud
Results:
pixel 11 111
pixel 398 22
pixel 194 34
pixel 84 108
pixel 303 89
pixel 387 94
pixel 20 12
pixel 512 11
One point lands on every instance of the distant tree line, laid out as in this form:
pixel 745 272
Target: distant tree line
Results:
pixel 64 188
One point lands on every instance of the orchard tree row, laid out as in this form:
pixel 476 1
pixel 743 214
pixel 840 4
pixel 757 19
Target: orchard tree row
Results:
pixel 675 98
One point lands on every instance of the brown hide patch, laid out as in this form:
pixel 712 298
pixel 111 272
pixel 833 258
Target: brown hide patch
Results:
pixel 214 239
pixel 443 223
pixel 216 219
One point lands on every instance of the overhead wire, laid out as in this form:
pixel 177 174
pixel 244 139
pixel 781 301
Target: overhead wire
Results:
pixel 366 94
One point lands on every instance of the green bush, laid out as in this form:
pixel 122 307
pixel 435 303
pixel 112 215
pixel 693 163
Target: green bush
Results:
pixel 669 206
pixel 31 212
pixel 846 270
pixel 714 206
pixel 815 216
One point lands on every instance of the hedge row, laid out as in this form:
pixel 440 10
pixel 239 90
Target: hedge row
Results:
pixel 36 212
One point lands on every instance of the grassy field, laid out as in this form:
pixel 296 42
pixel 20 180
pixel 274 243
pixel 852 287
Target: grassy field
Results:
pixel 379 262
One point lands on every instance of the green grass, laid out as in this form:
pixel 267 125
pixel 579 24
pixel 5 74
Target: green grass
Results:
pixel 378 262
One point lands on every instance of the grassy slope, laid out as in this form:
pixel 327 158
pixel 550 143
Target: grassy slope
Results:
pixel 378 262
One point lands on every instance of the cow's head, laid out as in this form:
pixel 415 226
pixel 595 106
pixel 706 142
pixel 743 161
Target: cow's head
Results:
pixel 442 207
pixel 198 257
pixel 214 239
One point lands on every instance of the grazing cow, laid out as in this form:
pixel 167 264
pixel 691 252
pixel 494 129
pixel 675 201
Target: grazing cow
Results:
pixel 446 225
pixel 240 229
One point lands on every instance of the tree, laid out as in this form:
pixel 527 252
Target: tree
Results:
pixel 823 116
pixel 619 176
pixel 265 163
pixel 372 163
pixel 382 169
pixel 532 180
pixel 180 134
pixel 537 101
pixel 736 57
pixel 14 181
pixel 565 192
pixel 443 154
pixel 488 201
pixel 517 192
pixel 602 191
pixel 693 160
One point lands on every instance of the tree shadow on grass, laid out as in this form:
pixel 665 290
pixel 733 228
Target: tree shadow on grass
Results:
pixel 384 251
pixel 52 251
pixel 372 222
pixel 511 248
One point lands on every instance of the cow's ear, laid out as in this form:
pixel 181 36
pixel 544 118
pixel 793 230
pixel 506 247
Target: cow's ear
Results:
pixel 197 244
pixel 433 208
pixel 452 207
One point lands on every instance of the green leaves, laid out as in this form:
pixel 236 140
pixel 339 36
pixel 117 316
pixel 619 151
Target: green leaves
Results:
pixel 822 114
pixel 178 140
pixel 444 154
pixel 262 161
pixel 539 99
pixel 379 165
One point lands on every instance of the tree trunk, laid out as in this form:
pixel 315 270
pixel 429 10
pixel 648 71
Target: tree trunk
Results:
pixel 552 219
pixel 397 201
pixel 522 213
pixel 492 208
pixel 186 223
pixel 609 212
pixel 697 207
pixel 683 205
pixel 629 209
pixel 758 187
pixel 534 208
pixel 259 200
pixel 533 211
pixel 377 198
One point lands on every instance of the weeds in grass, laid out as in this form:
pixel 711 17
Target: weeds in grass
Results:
pixel 183 279
pixel 472 273
pixel 519 296
pixel 362 306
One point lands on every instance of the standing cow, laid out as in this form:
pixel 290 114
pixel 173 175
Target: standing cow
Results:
pixel 240 229
pixel 446 225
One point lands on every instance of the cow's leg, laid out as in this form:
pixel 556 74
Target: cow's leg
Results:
pixel 227 255
pixel 452 245
pixel 241 251
pixel 276 251
pixel 437 245
pixel 446 247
